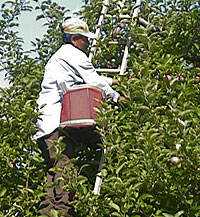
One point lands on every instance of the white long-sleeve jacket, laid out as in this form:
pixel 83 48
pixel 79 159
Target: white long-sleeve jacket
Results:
pixel 72 66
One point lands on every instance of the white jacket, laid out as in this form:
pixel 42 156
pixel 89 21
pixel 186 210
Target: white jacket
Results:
pixel 72 66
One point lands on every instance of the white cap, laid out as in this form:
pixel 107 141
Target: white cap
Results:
pixel 77 26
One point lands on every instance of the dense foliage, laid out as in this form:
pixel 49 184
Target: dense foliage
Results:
pixel 152 161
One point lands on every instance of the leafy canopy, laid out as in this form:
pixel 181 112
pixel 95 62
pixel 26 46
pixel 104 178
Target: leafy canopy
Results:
pixel 141 136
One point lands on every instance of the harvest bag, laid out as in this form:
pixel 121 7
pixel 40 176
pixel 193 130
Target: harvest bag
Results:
pixel 78 113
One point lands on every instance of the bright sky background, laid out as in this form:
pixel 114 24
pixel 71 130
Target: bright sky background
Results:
pixel 30 29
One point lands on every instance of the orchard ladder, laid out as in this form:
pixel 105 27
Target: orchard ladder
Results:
pixel 123 65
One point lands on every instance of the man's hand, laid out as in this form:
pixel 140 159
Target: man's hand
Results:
pixel 124 98
pixel 115 81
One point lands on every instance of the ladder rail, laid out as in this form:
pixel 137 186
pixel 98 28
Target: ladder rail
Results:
pixel 121 70
pixel 98 30
pixel 136 9
pixel 126 51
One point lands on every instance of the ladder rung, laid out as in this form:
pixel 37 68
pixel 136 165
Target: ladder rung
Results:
pixel 117 42
pixel 108 70
pixel 113 42
pixel 126 16
pixel 122 16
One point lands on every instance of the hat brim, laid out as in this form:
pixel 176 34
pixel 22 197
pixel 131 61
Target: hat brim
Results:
pixel 89 35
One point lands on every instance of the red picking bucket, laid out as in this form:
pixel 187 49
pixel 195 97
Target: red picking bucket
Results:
pixel 78 113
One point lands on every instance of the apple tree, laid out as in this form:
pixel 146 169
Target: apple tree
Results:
pixel 151 139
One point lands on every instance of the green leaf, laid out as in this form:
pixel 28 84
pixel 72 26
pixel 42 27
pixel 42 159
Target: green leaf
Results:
pixel 38 158
pixel 54 213
pixel 167 215
pixel 3 191
pixel 145 196
pixel 116 214
pixel 179 213
pixel 196 45
pixel 118 169
pixel 137 185
pixel 114 205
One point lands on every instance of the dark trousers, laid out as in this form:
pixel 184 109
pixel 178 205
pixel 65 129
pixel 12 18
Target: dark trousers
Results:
pixel 56 198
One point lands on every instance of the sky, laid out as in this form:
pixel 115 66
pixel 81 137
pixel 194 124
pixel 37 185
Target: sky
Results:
pixel 29 28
